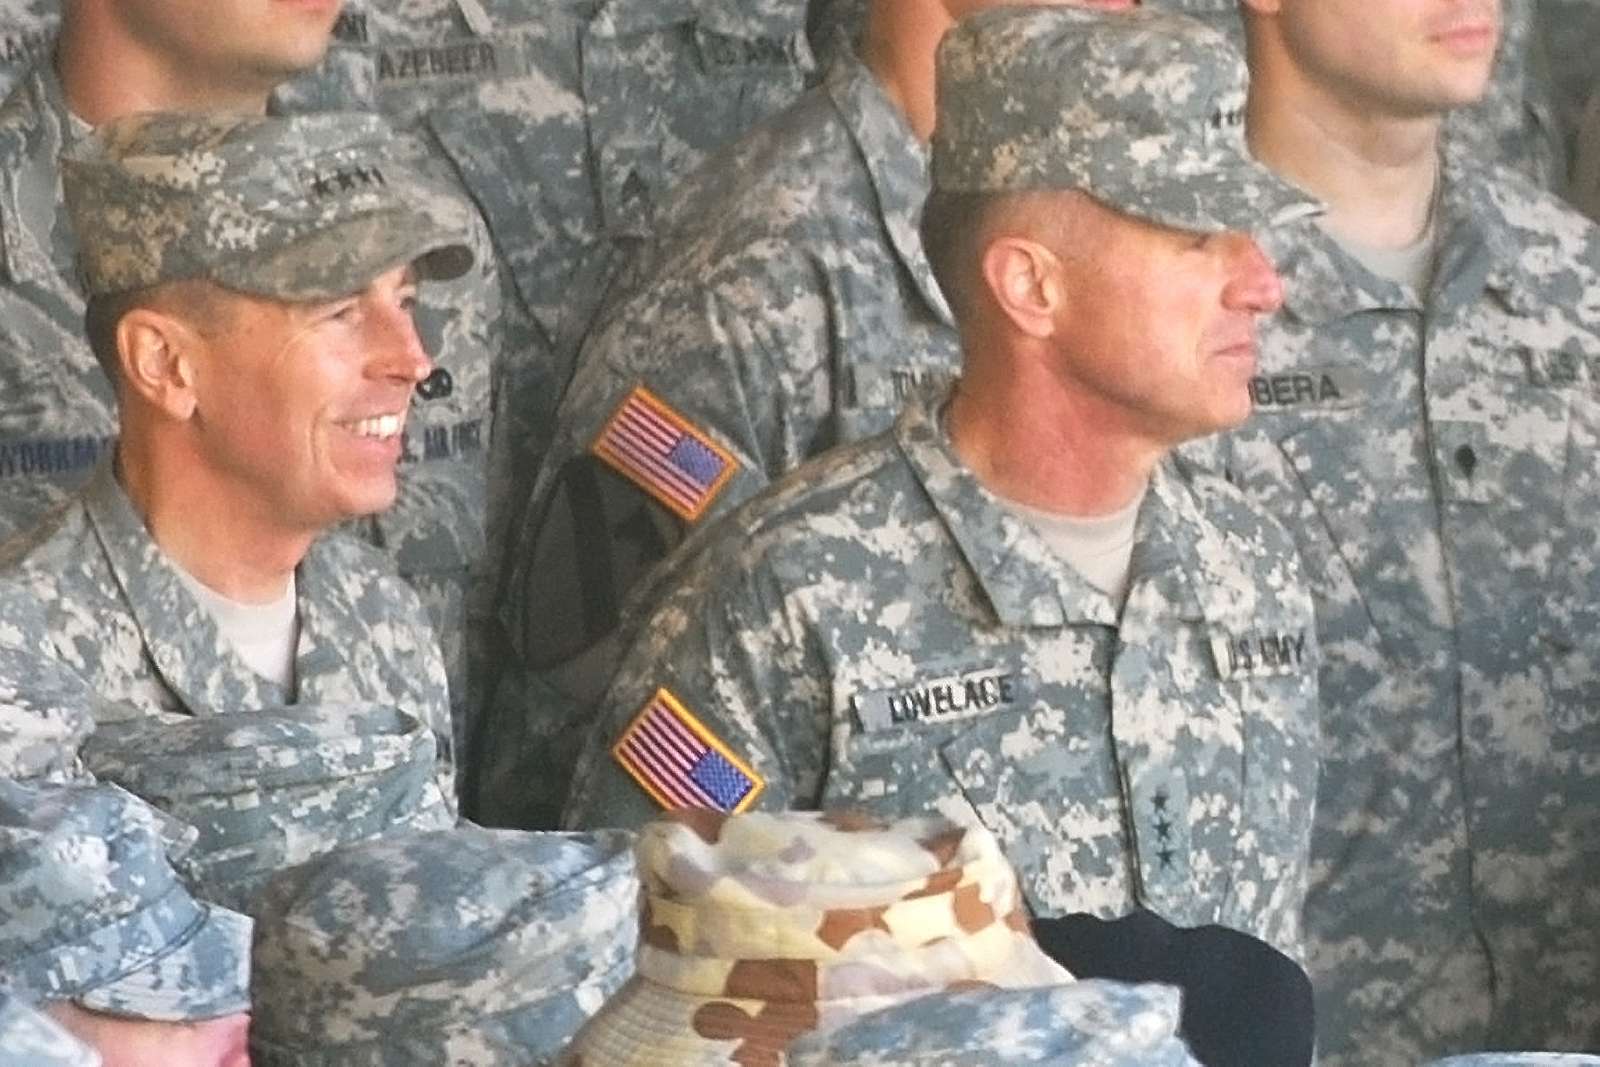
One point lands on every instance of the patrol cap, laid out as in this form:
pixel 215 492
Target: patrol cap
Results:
pixel 468 945
pixel 29 1039
pixel 1083 1024
pixel 267 790
pixel 759 928
pixel 1150 120
pixel 306 208
pixel 91 911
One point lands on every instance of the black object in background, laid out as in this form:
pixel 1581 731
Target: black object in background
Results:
pixel 1245 1004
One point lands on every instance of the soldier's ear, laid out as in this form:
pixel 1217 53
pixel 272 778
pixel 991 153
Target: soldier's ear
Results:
pixel 155 351
pixel 1024 279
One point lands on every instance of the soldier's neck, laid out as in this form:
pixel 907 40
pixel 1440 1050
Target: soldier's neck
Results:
pixel 228 545
pixel 898 46
pixel 1037 444
pixel 106 75
pixel 1377 174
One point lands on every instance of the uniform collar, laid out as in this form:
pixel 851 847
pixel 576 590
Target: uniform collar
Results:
pixel 186 646
pixel 1026 583
pixel 894 159
pixel 1479 249
pixel 36 126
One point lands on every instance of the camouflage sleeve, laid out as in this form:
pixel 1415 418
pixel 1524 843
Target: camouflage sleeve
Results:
pixel 720 676
pixel 44 706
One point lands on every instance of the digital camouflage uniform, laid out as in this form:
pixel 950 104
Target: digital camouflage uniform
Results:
pixel 465 946
pixel 27 32
pixel 565 121
pixel 266 790
pixel 92 912
pixel 881 632
pixel 759 928
pixel 789 308
pixel 57 408
pixel 1519 1059
pixel 31 1039
pixel 1435 459
pixel 117 633
pixel 1083 1024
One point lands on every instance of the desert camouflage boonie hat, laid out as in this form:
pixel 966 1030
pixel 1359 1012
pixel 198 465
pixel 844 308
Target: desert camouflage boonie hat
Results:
pixel 488 947
pixel 1084 1024
pixel 91 911
pixel 29 1039
pixel 759 928
pixel 268 790
pixel 307 208
pixel 1150 120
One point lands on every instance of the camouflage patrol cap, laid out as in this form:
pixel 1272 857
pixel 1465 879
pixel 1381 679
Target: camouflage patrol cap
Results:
pixel 453 946
pixel 1084 1024
pixel 312 207
pixel 758 928
pixel 268 790
pixel 29 1039
pixel 91 911
pixel 1151 120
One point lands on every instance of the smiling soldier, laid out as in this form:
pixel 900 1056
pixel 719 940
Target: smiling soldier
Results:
pixel 251 288
pixel 1011 607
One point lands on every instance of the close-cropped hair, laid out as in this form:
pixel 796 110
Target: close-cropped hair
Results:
pixel 956 227
pixel 192 300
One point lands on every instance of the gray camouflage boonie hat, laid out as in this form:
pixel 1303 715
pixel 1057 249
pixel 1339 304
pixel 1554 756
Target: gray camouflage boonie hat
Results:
pixel 1085 1024
pixel 470 945
pixel 91 911
pixel 306 208
pixel 268 790
pixel 29 1039
pixel 1149 117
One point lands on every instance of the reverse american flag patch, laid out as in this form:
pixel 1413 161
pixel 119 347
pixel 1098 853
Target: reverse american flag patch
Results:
pixel 680 763
pixel 664 454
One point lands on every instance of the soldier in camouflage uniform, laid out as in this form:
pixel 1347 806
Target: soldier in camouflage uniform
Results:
pixel 1084 1024
pixel 27 30
pixel 28 1039
pixel 96 929
pixel 1570 33
pixel 564 121
pixel 760 928
pixel 1426 424
pixel 786 308
pixel 908 625
pixel 263 383
pixel 57 412
pixel 466 946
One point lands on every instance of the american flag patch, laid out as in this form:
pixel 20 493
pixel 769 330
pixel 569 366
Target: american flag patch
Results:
pixel 680 763
pixel 664 454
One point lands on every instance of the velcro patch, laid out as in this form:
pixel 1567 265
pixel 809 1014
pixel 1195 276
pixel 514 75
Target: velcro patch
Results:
pixel 1262 653
pixel 1324 389
pixel 664 454
pixel 945 699
pixel 681 763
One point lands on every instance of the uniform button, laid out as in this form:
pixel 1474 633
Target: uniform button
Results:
pixel 1466 459
pixel 437 385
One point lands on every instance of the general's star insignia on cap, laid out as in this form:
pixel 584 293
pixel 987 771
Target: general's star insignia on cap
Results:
pixel 664 454
pixel 681 763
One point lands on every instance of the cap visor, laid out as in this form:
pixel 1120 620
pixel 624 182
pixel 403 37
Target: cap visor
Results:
pixel 1247 197
pixel 205 974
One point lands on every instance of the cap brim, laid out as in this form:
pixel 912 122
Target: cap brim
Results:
pixel 344 257
pixel 205 974
pixel 1246 197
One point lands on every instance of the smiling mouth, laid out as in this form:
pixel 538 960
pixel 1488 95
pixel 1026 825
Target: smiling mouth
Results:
pixel 378 427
